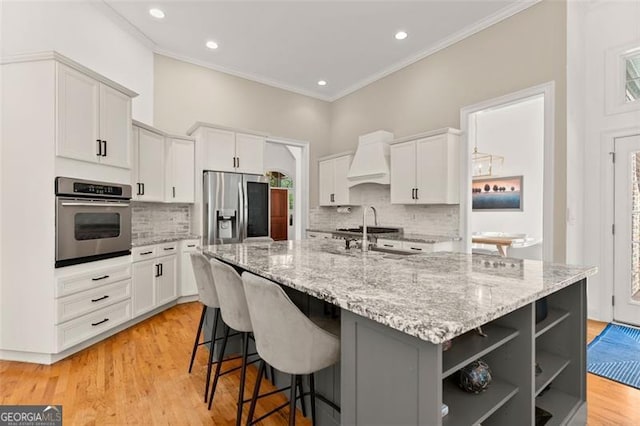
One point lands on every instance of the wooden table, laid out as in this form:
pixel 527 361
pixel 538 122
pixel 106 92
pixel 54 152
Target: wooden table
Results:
pixel 501 243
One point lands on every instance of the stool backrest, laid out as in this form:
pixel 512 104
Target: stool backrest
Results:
pixel 285 337
pixel 233 303
pixel 204 280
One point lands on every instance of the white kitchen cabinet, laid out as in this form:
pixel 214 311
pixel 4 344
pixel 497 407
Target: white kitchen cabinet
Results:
pixel 333 184
pixel 154 279
pixel 93 119
pixel 425 170
pixel 149 170
pixel 188 285
pixel 229 151
pixel 180 170
pixel 166 281
pixel 412 247
pixel 249 154
pixel 143 294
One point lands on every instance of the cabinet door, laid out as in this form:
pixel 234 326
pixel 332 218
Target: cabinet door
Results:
pixel 188 285
pixel 219 150
pixel 115 122
pixel 150 166
pixel 166 283
pixel 326 182
pixel 249 154
pixel 143 293
pixel 341 183
pixel 403 173
pixel 180 186
pixel 431 175
pixel 77 115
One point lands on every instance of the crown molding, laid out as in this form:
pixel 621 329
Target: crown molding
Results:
pixel 468 31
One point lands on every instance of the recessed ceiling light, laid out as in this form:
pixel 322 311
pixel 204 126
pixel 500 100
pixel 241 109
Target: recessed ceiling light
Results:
pixel 212 44
pixel 401 35
pixel 322 83
pixel 156 13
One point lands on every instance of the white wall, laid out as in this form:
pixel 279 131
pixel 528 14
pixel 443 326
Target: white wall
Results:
pixel 84 33
pixel 607 26
pixel 515 132
pixel 278 158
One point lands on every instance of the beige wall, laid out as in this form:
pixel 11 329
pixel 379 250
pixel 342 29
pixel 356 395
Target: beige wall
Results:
pixel 522 51
pixel 186 93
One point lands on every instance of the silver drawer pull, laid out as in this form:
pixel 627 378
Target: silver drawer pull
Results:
pixel 100 278
pixel 100 298
pixel 416 248
pixel 191 245
pixel 93 324
pixel 145 253
pixel 388 245
pixel 118 205
pixel 168 248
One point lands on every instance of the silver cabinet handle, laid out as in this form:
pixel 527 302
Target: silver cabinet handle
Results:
pixel 118 205
pixel 169 248
pixel 144 253
pixel 415 248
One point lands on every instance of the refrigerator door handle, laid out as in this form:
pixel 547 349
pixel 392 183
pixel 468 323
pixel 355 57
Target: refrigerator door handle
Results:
pixel 242 211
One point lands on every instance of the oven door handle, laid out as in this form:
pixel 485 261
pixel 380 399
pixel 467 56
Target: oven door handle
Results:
pixel 119 205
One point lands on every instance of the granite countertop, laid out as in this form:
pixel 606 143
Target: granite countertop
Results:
pixel 434 297
pixel 159 239
pixel 414 238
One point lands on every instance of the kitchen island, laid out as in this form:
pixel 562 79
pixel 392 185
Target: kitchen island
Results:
pixel 397 311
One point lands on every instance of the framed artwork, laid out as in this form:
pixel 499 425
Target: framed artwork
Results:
pixel 497 194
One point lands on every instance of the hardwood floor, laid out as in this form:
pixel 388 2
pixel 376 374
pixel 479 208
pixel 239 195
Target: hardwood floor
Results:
pixel 139 376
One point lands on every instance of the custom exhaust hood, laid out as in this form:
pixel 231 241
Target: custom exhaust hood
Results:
pixel 371 161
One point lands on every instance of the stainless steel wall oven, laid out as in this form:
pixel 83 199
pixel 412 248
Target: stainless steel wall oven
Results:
pixel 93 220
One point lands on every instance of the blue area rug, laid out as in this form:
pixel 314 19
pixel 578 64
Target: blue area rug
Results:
pixel 615 355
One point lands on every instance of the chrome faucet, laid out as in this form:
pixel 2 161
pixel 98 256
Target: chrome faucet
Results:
pixel 365 243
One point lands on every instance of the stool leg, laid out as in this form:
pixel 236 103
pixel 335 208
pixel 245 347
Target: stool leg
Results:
pixel 312 394
pixel 273 375
pixel 292 401
pixel 243 373
pixel 213 339
pixel 301 392
pixel 195 344
pixel 216 376
pixel 256 392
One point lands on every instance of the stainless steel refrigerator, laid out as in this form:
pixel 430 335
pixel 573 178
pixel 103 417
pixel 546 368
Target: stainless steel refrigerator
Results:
pixel 236 206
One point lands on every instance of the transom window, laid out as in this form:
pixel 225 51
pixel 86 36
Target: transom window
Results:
pixel 632 78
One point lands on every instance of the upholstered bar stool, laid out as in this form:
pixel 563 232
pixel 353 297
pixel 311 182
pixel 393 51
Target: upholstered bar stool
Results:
pixel 288 340
pixel 209 299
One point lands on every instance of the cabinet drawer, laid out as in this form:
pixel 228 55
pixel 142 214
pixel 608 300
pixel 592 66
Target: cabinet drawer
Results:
pixel 71 284
pixel 419 247
pixel 78 304
pixel 144 253
pixel 83 328
pixel 168 248
pixel 190 245
pixel 390 244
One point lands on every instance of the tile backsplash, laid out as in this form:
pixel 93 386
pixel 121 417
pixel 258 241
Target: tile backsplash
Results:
pixel 159 219
pixel 434 219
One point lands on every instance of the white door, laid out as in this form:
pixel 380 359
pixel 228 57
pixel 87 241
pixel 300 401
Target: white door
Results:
pixel 431 170
pixel 181 171
pixel 626 307
pixel 166 283
pixel 326 182
pixel 143 293
pixel 77 115
pixel 115 125
pixel 341 182
pixel 403 173
pixel 219 150
pixel 249 154
pixel 150 166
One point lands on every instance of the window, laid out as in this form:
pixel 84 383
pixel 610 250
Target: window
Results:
pixel 632 78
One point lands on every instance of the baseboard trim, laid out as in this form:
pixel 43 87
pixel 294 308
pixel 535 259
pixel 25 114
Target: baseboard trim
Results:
pixel 188 299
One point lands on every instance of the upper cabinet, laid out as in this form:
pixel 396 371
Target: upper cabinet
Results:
pixel 93 119
pixel 333 185
pixel 164 166
pixel 425 169
pixel 180 175
pixel 227 150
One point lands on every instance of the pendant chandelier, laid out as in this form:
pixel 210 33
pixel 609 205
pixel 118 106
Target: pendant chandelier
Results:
pixel 483 164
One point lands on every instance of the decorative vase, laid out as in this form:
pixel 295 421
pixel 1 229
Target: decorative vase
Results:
pixel 475 377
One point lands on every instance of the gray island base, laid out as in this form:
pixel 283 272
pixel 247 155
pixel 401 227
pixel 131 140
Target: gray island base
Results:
pixel 397 311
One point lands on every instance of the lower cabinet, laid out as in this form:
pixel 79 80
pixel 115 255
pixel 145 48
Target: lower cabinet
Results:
pixel 155 279
pixel 188 286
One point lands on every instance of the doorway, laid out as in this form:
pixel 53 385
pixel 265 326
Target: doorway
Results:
pixel 514 183
pixel 626 231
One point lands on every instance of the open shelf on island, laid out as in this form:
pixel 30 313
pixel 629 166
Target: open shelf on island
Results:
pixel 551 365
pixel 554 317
pixel 559 404
pixel 471 346
pixel 467 408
